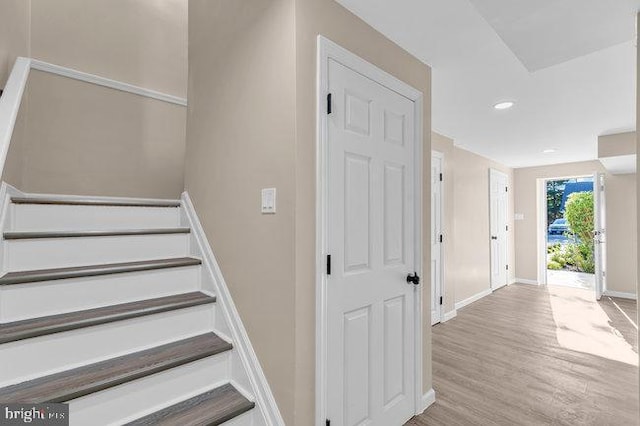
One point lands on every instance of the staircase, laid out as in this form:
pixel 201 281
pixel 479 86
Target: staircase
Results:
pixel 105 304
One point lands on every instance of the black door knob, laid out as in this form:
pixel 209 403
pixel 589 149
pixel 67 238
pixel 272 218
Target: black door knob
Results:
pixel 413 279
pixel 493 237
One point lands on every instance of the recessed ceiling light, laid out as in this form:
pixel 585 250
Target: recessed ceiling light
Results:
pixel 504 105
pixel 549 151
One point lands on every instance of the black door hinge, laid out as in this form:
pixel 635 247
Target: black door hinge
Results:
pixel 329 103
pixel 506 189
pixel 327 422
pixel 440 177
pixel 441 300
pixel 507 267
pixel 441 238
pixel 328 264
pixel 507 227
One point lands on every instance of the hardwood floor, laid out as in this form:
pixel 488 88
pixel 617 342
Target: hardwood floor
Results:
pixel 528 355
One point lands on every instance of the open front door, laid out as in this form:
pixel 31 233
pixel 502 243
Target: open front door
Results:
pixel 599 235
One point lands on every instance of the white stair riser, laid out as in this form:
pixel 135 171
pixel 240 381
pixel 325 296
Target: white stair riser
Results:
pixel 45 217
pixel 250 418
pixel 39 356
pixel 136 399
pixel 60 252
pixel 30 300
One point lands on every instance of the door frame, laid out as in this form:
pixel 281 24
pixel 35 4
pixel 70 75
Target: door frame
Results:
pixel 327 49
pixel 492 173
pixel 440 319
pixel 542 221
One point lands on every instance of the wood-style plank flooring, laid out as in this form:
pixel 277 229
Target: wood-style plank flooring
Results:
pixel 528 355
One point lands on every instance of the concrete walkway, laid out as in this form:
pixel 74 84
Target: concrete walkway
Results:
pixel 571 279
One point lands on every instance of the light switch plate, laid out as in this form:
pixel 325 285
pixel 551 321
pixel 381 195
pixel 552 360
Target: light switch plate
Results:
pixel 268 201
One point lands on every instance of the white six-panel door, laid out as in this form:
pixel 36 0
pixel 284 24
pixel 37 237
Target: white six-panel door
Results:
pixel 498 205
pixel 436 234
pixel 370 204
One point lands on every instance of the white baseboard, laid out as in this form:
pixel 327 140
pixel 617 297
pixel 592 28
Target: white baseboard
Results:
pixel 621 295
pixel 526 281
pixel 428 399
pixel 512 281
pixel 478 296
pixel 449 315
pixel 265 400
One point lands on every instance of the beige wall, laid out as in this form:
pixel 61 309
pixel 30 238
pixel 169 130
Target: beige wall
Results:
pixel 617 144
pixel 328 18
pixel 249 127
pixel 14 164
pixel 467 255
pixel 471 268
pixel 77 138
pixel 14 34
pixel 241 138
pixel 620 213
pixel 96 141
pixel 140 42
pixel 621 233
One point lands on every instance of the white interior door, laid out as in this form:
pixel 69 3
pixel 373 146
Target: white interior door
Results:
pixel 437 275
pixel 370 236
pixel 599 234
pixel 499 227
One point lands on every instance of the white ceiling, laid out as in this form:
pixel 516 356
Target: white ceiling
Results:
pixel 568 64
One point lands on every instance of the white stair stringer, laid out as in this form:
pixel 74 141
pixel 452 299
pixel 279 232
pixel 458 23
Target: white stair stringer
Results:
pixel 39 356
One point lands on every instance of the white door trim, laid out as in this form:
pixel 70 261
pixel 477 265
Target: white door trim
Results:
pixel 326 49
pixel 440 155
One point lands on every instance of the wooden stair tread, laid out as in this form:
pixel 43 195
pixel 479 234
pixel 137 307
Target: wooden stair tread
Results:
pixel 207 409
pixel 95 202
pixel 34 327
pixel 27 235
pixel 71 384
pixel 21 277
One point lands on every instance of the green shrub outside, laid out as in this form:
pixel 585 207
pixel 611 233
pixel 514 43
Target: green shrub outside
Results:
pixel 579 253
pixel 555 266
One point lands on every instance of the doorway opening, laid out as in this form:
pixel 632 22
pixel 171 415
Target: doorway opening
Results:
pixel 570 209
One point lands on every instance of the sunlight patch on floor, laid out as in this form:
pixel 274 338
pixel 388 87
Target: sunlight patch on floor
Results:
pixel 582 325
pixel 571 279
